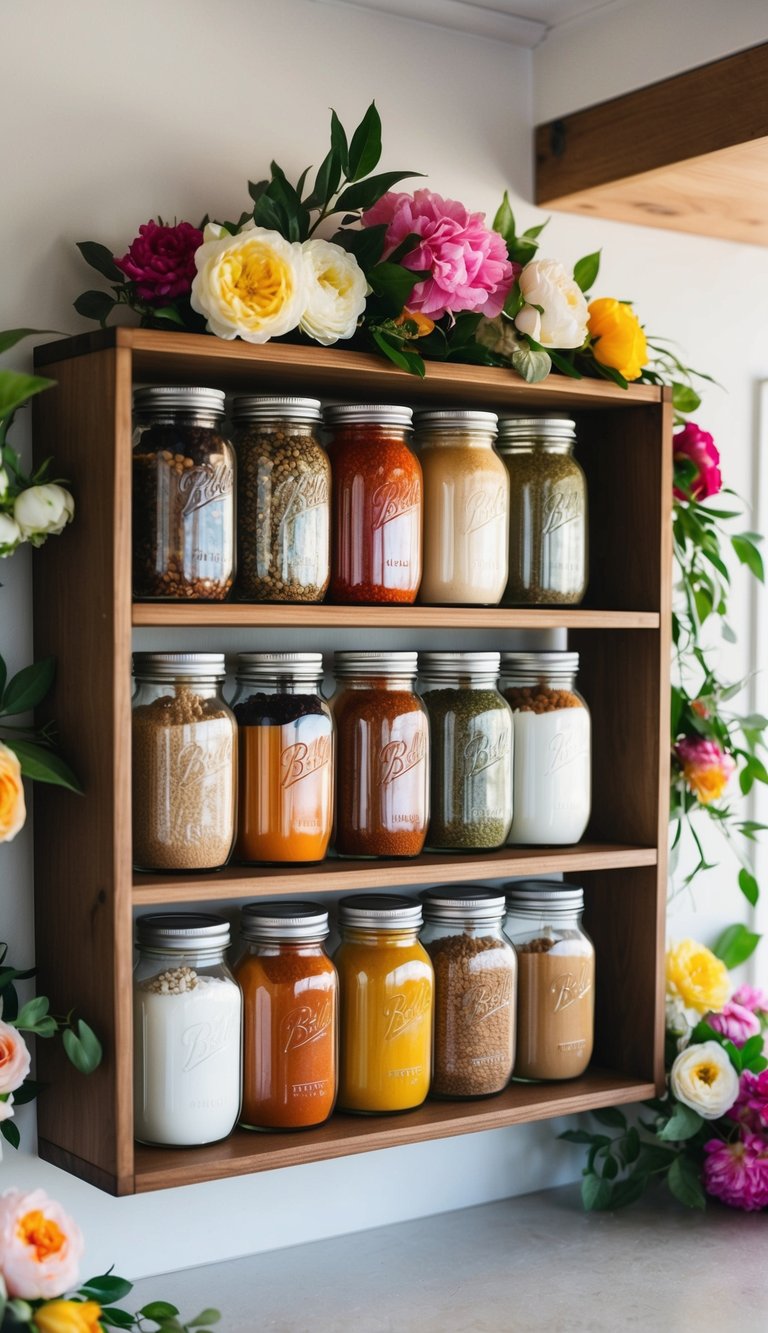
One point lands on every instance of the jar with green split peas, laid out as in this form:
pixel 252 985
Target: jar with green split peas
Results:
pixel 183 496
pixel 547 512
pixel 470 727
pixel 283 500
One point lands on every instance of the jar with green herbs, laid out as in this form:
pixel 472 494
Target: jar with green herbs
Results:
pixel 547 512
pixel 470 727
pixel 283 500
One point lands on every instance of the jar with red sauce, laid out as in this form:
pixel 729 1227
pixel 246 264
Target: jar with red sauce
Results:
pixel 377 505
pixel 382 749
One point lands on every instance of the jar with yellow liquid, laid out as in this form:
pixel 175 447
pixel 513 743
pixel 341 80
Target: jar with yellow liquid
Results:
pixel 387 987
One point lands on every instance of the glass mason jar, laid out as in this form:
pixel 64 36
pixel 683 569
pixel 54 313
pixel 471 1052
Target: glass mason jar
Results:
pixel 466 509
pixel 290 1018
pixel 382 740
pixel 377 505
pixel 184 769
pixel 386 983
pixel 183 496
pixel 286 745
pixel 283 500
pixel 475 972
pixel 555 979
pixel 552 730
pixel 187 1011
pixel 547 512
pixel 470 729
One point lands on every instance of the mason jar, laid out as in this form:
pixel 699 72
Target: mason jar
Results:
pixel 286 758
pixel 475 974
pixel 184 769
pixel 470 729
pixel 547 512
pixel 386 985
pixel 290 1018
pixel 377 505
pixel 553 762
pixel 183 496
pixel 187 1011
pixel 466 509
pixel 382 803
pixel 555 979
pixel 283 500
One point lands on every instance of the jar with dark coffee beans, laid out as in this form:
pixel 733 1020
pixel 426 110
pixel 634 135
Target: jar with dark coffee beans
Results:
pixel 283 500
pixel 183 496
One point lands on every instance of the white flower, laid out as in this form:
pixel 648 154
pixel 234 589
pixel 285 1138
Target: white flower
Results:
pixel 336 292
pixel 10 535
pixel 703 1078
pixel 43 511
pixel 545 283
pixel 3 483
pixel 6 1107
pixel 679 1021
pixel 251 286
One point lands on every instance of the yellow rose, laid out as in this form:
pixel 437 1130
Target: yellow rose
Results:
pixel 69 1317
pixel 619 339
pixel 697 977
pixel 13 811
pixel 251 286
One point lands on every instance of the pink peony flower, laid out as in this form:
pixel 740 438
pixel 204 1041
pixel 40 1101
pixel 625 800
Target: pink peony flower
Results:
pixel 14 1058
pixel 697 446
pixel 40 1246
pixel 735 1022
pixel 750 997
pixel 161 261
pixel 751 1105
pixel 706 768
pixel 467 261
pixel 737 1173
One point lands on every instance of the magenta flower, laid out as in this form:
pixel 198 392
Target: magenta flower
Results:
pixel 751 997
pixel 467 261
pixel 751 1106
pixel 706 768
pixel 697 446
pixel 737 1173
pixel 735 1022
pixel 161 261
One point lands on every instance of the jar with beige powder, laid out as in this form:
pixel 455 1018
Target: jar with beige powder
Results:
pixel 556 979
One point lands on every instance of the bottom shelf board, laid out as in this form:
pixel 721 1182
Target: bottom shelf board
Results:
pixel 245 1152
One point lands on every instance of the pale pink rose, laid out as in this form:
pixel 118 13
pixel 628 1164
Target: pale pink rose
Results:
pixel 735 1022
pixel 14 1058
pixel 737 1173
pixel 751 997
pixel 40 1246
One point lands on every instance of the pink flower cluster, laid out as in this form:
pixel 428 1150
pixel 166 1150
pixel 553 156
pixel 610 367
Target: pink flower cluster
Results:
pixel 696 446
pixel 737 1173
pixel 161 261
pixel 467 262
pixel 735 1022
pixel 706 768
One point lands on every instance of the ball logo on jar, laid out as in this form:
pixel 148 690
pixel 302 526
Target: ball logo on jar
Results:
pixel 487 998
pixel 570 987
pixel 202 1041
pixel 397 496
pixel 399 757
pixel 197 762
pixel 300 760
pixel 483 507
pixel 403 1011
pixel 295 495
pixel 305 1024
pixel 481 752
pixel 564 749
pixel 560 507
pixel 201 485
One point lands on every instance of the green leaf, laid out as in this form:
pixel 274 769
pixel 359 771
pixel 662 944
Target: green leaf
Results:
pixel 610 1167
pixel 28 687
pixel 562 363
pixel 504 221
pixel 611 1117
pixel 365 193
pixel 10 337
pixel 256 190
pixel 42 765
pixel 751 1050
pixel 32 1013
pixel 595 1193
pixel 16 389
pixel 158 1310
pixel 106 1288
pixel 629 1146
pixel 748 554
pixel 684 398
pixel 339 142
pixel 629 1191
pixel 95 305
pixel 102 259
pixel 393 284
pixel 531 366
pixel 735 945
pixel 576 1136
pixel 169 313
pixel 326 181
pixel 685 1183
pixel 366 244
pixel 205 1319
pixel 404 359
pixel 10 1133
pixel 586 270
pixel 365 146
pixel 83 1047
pixel 116 1318
pixel 749 887
pixel 29 1089
pixel 683 1124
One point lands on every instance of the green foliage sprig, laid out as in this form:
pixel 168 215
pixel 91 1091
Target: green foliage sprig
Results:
pixel 35 747
pixel 106 1290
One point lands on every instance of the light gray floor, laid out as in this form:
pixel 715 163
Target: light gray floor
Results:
pixel 535 1264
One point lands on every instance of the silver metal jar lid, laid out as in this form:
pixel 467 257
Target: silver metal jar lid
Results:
pixel 385 414
pixel 179 666
pixel 532 668
pixel 183 932
pixel 557 433
pixel 531 897
pixel 258 407
pixel 444 666
pixel 377 911
pixel 259 668
pixel 375 664
pixel 465 420
pixel 179 398
pixel 287 921
pixel 464 903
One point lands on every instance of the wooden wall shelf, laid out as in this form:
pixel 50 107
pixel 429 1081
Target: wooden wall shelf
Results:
pixel 87 891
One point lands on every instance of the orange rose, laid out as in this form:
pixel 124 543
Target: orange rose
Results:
pixel 424 324
pixel 13 811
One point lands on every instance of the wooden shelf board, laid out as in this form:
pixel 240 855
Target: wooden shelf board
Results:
pixel 329 876
pixel 236 614
pixel 245 1152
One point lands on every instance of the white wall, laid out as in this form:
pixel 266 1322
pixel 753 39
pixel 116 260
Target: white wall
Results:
pixel 114 113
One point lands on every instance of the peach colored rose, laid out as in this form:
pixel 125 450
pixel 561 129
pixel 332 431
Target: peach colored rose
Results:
pixel 13 811
pixel 14 1058
pixel 40 1246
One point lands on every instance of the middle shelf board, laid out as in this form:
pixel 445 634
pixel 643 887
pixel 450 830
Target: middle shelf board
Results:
pixel 212 615
pixel 235 881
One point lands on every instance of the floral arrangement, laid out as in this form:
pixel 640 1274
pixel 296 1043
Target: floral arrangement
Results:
pixel 40 1253
pixel 708 1134
pixel 26 750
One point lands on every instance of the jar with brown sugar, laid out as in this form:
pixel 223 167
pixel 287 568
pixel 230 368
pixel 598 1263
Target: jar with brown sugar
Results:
pixel 556 979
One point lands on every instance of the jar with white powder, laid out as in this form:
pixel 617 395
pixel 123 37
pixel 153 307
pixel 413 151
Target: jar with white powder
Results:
pixel 552 750
pixel 187 1017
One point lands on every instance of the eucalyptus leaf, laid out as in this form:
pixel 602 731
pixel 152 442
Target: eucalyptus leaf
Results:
pixel 28 687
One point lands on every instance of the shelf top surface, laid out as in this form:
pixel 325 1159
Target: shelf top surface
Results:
pixel 323 615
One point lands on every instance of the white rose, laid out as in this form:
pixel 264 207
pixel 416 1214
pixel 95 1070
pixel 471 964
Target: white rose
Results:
pixel 545 283
pixel 10 535
pixel 336 292
pixel 43 511
pixel 3 483
pixel 703 1078
pixel 250 286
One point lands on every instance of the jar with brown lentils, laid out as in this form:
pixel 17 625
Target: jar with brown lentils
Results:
pixel 283 500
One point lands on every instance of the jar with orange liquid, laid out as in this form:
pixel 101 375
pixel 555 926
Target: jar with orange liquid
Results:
pixel 286 756
pixel 290 990
pixel 386 982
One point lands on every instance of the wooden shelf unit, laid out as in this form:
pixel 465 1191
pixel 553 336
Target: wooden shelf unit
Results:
pixel 86 890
